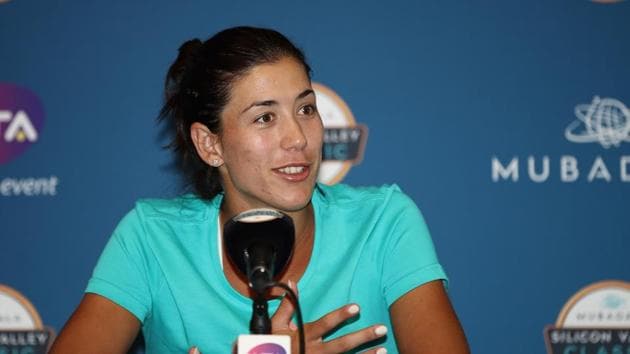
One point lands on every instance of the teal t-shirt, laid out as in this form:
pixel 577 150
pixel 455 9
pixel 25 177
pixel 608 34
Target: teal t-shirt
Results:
pixel 162 264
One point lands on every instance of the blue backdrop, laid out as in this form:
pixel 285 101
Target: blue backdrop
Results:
pixel 446 88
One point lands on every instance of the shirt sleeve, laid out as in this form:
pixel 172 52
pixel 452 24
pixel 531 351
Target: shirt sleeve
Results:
pixel 121 273
pixel 410 259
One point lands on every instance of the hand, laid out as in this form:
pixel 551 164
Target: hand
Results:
pixel 314 331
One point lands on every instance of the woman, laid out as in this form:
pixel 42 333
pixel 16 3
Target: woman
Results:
pixel 248 132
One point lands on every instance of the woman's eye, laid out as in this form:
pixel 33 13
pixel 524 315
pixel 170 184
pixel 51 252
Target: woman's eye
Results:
pixel 265 118
pixel 309 109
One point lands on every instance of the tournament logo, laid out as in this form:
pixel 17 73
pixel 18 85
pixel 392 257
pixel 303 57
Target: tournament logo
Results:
pixel 21 120
pixel 596 320
pixel 344 139
pixel 21 329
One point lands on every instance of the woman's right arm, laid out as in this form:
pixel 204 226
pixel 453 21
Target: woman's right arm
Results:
pixel 97 326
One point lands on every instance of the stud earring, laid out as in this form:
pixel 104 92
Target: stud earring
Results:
pixel 215 163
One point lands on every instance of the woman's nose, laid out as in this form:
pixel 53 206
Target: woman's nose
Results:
pixel 293 135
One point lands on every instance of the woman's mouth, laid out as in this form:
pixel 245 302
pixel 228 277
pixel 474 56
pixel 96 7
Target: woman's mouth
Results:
pixel 292 170
pixel 293 173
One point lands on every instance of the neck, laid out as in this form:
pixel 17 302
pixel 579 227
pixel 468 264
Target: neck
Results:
pixel 304 223
pixel 303 219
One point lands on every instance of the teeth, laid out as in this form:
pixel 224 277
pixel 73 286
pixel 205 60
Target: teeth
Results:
pixel 292 169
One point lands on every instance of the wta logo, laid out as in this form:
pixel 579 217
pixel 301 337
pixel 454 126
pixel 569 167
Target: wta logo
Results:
pixel 268 348
pixel 264 344
pixel 21 119
pixel 607 1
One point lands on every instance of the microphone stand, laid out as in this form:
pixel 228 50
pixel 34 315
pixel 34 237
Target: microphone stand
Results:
pixel 260 322
pixel 260 278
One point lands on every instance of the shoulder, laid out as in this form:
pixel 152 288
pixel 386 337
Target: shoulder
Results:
pixel 188 208
pixel 344 196
pixel 368 206
pixel 182 210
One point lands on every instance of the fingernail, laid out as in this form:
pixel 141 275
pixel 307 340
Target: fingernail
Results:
pixel 381 351
pixel 195 350
pixel 292 326
pixel 380 330
pixel 353 309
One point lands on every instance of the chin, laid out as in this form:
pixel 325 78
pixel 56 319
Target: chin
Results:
pixel 295 204
pixel 294 198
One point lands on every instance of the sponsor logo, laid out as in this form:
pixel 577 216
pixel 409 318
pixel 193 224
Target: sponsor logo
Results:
pixel 595 320
pixel 21 329
pixel 605 121
pixel 344 139
pixel 21 120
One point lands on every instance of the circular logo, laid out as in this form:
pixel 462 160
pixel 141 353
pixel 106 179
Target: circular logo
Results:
pixel 344 139
pixel 21 120
pixel 267 348
pixel 604 304
pixel 604 120
pixel 16 312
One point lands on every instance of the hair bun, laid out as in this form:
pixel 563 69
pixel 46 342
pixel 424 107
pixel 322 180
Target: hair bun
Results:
pixel 181 69
pixel 189 50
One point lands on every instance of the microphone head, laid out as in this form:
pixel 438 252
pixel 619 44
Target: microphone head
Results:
pixel 259 238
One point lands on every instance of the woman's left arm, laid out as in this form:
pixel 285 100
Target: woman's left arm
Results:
pixel 424 322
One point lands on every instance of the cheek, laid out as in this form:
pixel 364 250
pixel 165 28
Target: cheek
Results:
pixel 258 148
pixel 247 152
pixel 316 134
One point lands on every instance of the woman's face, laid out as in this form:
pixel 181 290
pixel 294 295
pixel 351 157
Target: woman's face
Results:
pixel 271 139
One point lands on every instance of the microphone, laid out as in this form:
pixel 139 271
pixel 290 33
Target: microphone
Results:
pixel 260 243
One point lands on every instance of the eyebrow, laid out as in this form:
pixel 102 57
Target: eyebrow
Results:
pixel 273 102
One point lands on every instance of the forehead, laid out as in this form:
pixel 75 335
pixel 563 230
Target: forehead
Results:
pixel 280 80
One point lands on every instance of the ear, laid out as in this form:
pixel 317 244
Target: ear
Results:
pixel 207 144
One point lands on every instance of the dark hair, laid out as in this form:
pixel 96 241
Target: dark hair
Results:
pixel 198 86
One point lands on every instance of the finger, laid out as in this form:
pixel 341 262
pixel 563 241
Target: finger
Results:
pixel 331 320
pixel 194 350
pixel 282 317
pixel 354 339
pixel 381 350
pixel 294 287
